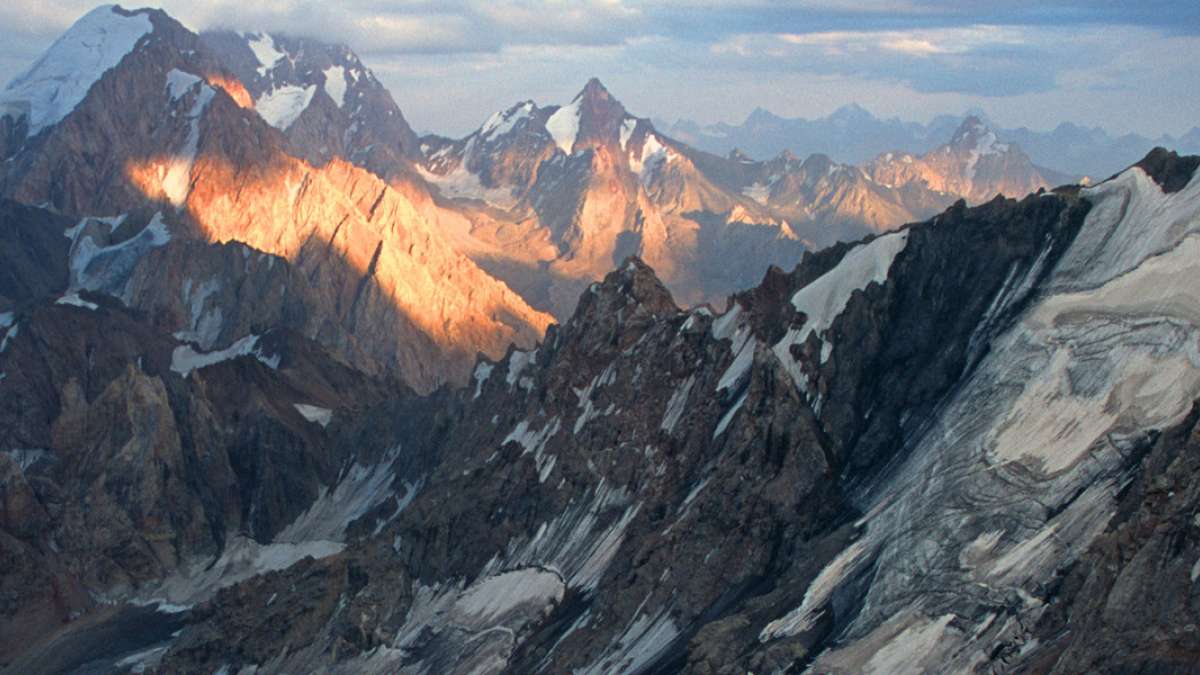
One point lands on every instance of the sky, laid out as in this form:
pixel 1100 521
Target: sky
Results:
pixel 1124 66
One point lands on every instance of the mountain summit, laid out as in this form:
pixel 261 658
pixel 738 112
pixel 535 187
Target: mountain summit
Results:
pixel 150 127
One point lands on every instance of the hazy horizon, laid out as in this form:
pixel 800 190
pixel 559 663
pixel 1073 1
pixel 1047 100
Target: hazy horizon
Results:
pixel 451 64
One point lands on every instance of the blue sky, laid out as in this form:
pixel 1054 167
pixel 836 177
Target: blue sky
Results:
pixel 1126 66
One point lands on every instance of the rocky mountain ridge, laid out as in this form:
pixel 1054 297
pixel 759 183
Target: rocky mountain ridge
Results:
pixel 559 194
pixel 853 134
pixel 871 463
pixel 366 274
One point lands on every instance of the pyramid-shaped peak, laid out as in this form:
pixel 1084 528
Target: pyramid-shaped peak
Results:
pixel 761 116
pixel 974 136
pixel 971 129
pixel 852 111
pixel 594 116
pixel 593 90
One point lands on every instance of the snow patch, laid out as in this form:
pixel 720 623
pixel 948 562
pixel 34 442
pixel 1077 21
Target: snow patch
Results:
pixel 205 326
pixel 628 125
pixel 677 405
pixel 74 300
pixel 818 594
pixel 282 106
pixel 335 84
pixel 482 372
pixel 27 457
pixel 759 192
pixel 9 335
pixel 263 46
pixel 185 359
pixel 728 416
pixel 638 646
pixel 462 184
pixel 517 363
pixel 59 81
pixel 107 268
pixel 317 414
pixel 590 411
pixel 242 559
pixel 359 489
pixel 743 348
pixel 488 601
pixel 535 442
pixel 563 126
pixel 654 154
pixel 725 325
pixel 500 123
pixel 573 544
pixel 180 83
pixel 823 300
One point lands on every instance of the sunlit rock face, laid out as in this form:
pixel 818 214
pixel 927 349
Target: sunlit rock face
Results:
pixel 974 165
pixel 167 127
pixel 869 464
pixel 323 98
pixel 549 198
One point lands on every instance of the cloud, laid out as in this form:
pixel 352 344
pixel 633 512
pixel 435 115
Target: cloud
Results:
pixel 721 58
pixel 987 60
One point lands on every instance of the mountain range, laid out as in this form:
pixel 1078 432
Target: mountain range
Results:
pixel 852 134
pixel 557 195
pixel 286 388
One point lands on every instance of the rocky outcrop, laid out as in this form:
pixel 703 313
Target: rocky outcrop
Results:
pixel 349 114
pixel 128 457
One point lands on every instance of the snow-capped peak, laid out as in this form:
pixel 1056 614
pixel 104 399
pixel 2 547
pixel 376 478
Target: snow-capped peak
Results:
pixel 58 81
pixel 502 122
pixel 976 140
pixel 974 135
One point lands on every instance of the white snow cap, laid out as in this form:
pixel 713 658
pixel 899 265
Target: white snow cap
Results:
pixel 500 123
pixel 58 81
